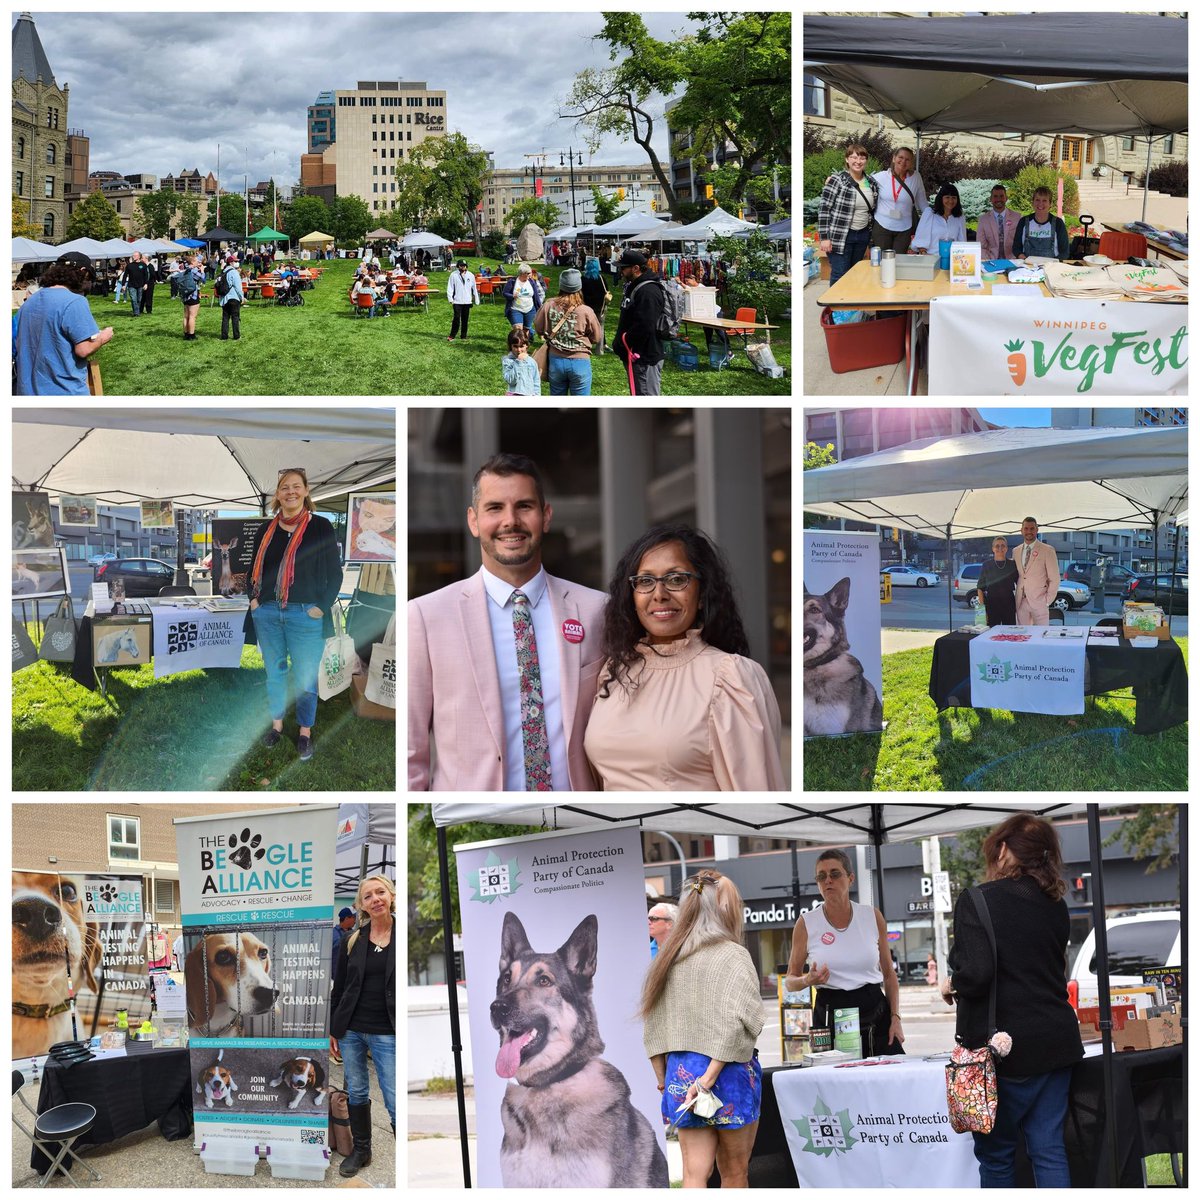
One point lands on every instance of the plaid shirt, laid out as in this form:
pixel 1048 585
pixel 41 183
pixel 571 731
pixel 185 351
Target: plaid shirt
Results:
pixel 837 208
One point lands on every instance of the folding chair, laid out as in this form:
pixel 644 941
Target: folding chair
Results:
pixel 62 1124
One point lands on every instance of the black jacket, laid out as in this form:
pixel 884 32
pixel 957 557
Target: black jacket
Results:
pixel 348 977
pixel 1031 976
pixel 641 307
pixel 318 576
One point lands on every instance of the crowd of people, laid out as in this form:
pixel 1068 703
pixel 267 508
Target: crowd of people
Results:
pixel 890 209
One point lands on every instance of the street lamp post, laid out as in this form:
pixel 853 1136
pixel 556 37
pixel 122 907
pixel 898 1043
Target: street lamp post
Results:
pixel 571 152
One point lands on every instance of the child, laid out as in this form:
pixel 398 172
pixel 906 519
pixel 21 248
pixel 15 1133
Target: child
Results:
pixel 521 375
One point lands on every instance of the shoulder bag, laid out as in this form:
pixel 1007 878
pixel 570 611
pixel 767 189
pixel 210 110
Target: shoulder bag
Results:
pixel 337 660
pixel 381 675
pixel 58 642
pixel 541 355
pixel 971 1074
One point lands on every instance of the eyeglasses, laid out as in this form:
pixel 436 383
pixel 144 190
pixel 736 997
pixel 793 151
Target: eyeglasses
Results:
pixel 832 877
pixel 676 581
pixel 653 919
pixel 294 471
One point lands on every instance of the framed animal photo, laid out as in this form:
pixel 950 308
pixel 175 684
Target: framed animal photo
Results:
pixel 32 527
pixel 158 514
pixel 233 542
pixel 78 510
pixel 38 573
pixel 121 641
pixel 371 527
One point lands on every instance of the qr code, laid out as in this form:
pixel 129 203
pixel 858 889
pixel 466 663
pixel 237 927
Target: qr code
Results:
pixel 312 1137
pixel 825 1131
pixel 493 881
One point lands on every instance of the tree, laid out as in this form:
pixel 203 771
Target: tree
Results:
pixel 751 270
pixel 154 214
pixel 963 857
pixel 94 217
pixel 228 211
pixel 757 193
pixel 20 221
pixel 607 208
pixel 189 215
pixel 451 228
pixel 1150 831
pixel 306 215
pixel 495 244
pixel 443 176
pixel 533 210
pixel 350 218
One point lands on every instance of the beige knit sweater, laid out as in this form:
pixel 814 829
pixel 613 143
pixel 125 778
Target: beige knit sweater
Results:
pixel 710 1006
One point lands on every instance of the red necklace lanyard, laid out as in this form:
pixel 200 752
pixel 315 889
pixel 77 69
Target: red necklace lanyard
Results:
pixel 896 190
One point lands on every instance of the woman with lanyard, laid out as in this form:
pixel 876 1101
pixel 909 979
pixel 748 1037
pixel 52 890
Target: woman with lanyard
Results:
pixel 293 584
pixel 845 947
pixel 848 202
pixel 902 200
pixel 363 1005
pixel 1039 235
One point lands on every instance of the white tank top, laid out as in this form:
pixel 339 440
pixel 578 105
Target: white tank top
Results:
pixel 851 954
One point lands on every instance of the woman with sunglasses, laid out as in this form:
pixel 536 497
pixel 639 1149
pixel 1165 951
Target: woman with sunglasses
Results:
pixel 850 964
pixel 294 581
pixel 681 705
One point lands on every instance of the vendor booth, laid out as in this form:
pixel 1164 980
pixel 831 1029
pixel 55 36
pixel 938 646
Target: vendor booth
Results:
pixel 816 1119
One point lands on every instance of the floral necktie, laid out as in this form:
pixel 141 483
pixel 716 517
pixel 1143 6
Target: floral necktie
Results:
pixel 533 716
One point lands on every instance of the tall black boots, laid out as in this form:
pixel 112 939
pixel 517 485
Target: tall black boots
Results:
pixel 360 1130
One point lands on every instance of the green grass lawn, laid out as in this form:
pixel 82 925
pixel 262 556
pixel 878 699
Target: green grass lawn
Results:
pixel 923 750
pixel 196 731
pixel 324 349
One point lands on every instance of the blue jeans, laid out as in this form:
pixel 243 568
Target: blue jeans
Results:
pixel 284 632
pixel 856 243
pixel 353 1047
pixel 1033 1107
pixel 570 376
pixel 135 298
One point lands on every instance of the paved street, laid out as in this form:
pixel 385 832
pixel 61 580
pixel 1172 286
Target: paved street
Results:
pixel 435 1155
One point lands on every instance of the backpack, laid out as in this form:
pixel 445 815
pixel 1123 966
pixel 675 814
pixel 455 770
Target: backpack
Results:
pixel 223 286
pixel 672 310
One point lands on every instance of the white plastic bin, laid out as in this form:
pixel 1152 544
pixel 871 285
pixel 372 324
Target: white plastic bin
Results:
pixel 700 302
pixel 228 1156
pixel 291 1160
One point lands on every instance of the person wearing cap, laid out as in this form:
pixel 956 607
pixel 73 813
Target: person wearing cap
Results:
pixel 462 293
pixel 56 332
pixel 570 329
pixel 637 342
pixel 231 302
pixel 523 296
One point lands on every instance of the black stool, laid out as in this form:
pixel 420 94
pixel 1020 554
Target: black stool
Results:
pixel 64 1124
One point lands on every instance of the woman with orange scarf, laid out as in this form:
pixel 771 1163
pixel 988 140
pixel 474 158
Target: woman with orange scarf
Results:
pixel 293 584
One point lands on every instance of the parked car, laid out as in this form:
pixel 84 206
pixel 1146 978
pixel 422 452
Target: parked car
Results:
pixel 97 559
pixel 1158 589
pixel 1136 942
pixel 1116 576
pixel 905 576
pixel 966 587
pixel 142 576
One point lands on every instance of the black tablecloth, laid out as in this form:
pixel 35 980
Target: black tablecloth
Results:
pixel 1148 1085
pixel 1158 678
pixel 128 1094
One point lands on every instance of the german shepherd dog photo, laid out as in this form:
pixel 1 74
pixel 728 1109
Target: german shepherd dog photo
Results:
pixel 838 697
pixel 570 1123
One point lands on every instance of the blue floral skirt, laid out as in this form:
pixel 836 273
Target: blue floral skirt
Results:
pixel 739 1087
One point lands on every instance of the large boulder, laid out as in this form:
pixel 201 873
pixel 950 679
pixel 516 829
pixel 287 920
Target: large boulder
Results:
pixel 529 243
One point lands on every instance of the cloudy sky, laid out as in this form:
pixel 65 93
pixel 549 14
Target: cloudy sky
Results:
pixel 156 92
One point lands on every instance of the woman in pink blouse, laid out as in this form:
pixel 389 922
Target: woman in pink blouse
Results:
pixel 681 706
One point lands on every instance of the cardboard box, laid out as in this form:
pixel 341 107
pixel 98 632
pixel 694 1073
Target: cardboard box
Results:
pixel 367 708
pixel 1121 1015
pixel 1149 1034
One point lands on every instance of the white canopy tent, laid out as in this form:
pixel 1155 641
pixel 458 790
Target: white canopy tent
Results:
pixel 631 222
pixel 116 248
pixel 366 845
pixel 424 241
pixel 85 245
pixel 24 250
pixel 983 484
pixel 712 224
pixel 200 458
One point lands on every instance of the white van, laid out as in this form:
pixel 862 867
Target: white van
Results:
pixel 1136 942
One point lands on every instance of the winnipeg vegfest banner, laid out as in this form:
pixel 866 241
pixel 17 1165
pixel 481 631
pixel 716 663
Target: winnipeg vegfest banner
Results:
pixel 843 649
pixel 564 1093
pixel 82 934
pixel 257 910
pixel 997 345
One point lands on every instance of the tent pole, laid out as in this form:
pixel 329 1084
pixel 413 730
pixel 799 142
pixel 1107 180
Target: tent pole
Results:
pixel 1171 591
pixel 877 842
pixel 1183 928
pixel 1100 925
pixel 452 993
pixel 1146 188
pixel 949 584
pixel 917 164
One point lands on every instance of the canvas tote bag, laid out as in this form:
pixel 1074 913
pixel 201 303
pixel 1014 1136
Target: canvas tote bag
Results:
pixel 381 678
pixel 337 660
pixel 58 644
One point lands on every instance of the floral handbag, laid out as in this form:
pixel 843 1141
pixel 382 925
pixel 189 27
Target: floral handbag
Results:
pixel 971 1093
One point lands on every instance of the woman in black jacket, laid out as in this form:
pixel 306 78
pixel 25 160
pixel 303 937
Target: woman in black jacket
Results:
pixel 364 1011
pixel 294 581
pixel 1024 897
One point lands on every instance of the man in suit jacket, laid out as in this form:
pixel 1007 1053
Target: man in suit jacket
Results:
pixel 1037 576
pixel 465 728
pixel 993 243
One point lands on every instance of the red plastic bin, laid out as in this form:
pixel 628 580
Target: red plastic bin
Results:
pixel 878 343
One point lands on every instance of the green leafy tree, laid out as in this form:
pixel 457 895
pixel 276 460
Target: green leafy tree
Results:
pixel 818 456
pixel 963 857
pixel 453 229
pixel 228 211
pixel 154 214
pixel 189 216
pixel 94 217
pixel 495 244
pixel 751 271
pixel 20 221
pixel 306 215
pixel 607 208
pixel 446 177
pixel 533 211
pixel 351 218
pixel 1150 831
pixel 757 194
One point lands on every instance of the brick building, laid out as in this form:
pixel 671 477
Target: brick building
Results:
pixel 39 133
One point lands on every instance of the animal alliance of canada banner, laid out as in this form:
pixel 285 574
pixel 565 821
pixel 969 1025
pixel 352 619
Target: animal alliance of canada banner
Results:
pixel 556 947
pixel 256 895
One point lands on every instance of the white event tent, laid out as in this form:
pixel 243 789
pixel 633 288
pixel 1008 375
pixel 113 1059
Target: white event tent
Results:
pixel 25 250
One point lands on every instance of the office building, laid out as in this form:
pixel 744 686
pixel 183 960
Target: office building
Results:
pixel 510 185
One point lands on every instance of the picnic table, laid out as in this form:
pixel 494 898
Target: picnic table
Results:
pixel 1159 248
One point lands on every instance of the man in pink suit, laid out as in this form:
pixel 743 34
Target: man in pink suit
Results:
pixel 469 651
pixel 995 228
pixel 1037 576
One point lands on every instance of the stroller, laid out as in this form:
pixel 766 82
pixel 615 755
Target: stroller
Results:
pixel 288 293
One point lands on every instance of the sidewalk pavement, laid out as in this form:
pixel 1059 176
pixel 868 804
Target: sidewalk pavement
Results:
pixel 895 640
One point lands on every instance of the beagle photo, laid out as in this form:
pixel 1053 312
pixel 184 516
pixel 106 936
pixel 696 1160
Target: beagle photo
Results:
pixel 217 1084
pixel 228 979
pixel 50 938
pixel 300 1075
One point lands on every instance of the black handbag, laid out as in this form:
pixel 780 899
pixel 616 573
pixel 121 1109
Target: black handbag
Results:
pixel 58 642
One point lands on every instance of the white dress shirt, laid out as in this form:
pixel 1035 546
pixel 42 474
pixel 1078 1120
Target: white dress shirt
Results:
pixel 547 633
pixel 895 208
pixel 934 229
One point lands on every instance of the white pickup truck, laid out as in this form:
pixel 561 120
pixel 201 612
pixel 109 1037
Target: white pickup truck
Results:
pixel 1136 942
